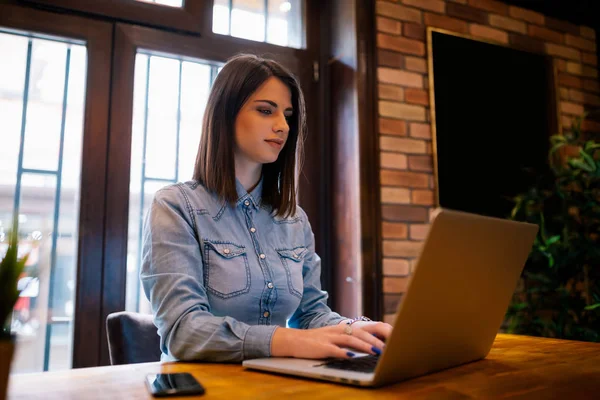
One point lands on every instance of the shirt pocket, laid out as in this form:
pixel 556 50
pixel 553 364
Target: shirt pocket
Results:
pixel 293 260
pixel 226 273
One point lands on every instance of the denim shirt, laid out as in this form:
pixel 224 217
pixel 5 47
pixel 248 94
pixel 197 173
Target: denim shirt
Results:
pixel 221 279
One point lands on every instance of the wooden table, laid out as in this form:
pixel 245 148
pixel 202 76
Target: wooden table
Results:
pixel 518 367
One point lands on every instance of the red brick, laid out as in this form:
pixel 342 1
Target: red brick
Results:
pixel 400 44
pixel 401 248
pixel 399 77
pixel 420 163
pixel 590 59
pixel 546 34
pixel 390 59
pixel 416 64
pixel 395 285
pixel 432 5
pixel 488 33
pixel 490 5
pixel 402 145
pixel 571 108
pixel 390 92
pixel 395 266
pixel 418 231
pixel 422 197
pixel 590 126
pixel 393 230
pixel 404 179
pixel 444 22
pixel 561 64
pixel 417 96
pixel 394 195
pixel 398 12
pixel 466 13
pixel 570 81
pixel 402 111
pixel 389 26
pixel 393 160
pixel 414 31
pixel 591 85
pixel 563 51
pixel 392 127
pixel 391 302
pixel 526 15
pixel 563 26
pixel 418 130
pixel 580 43
pixel 588 32
pixel 526 43
pixel 507 23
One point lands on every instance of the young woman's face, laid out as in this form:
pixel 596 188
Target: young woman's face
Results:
pixel 261 126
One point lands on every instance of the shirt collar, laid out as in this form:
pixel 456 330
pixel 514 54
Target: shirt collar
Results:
pixel 254 197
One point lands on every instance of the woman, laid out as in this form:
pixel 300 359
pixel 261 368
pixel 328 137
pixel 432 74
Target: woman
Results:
pixel 228 258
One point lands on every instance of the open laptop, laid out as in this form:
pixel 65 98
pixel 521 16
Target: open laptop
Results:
pixel 456 300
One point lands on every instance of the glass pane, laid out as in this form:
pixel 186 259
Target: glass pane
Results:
pixel 42 92
pixel 172 3
pixel 169 100
pixel 273 21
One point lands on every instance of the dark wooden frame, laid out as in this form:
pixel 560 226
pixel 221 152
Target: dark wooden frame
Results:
pixel 189 18
pixel 98 37
pixel 355 142
pixel 128 39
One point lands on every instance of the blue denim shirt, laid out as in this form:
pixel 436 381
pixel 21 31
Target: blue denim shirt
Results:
pixel 220 279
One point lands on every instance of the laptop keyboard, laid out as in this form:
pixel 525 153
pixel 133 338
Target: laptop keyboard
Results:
pixel 358 364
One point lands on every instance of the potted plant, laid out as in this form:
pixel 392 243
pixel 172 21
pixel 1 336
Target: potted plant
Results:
pixel 559 291
pixel 11 268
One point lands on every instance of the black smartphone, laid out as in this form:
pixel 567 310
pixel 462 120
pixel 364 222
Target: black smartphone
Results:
pixel 176 384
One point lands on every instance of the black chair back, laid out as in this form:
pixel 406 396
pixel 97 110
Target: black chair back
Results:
pixel 132 338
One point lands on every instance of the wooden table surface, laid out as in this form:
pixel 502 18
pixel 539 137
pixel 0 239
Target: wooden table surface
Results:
pixel 518 367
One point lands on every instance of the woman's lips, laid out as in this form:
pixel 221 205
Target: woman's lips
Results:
pixel 277 144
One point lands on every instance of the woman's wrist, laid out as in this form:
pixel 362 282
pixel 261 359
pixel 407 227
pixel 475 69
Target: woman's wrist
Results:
pixel 280 343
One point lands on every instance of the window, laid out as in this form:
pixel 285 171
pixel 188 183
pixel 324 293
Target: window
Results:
pixel 273 21
pixel 170 95
pixel 172 3
pixel 42 92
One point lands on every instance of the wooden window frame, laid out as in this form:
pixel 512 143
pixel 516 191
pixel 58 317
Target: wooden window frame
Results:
pixel 98 37
pixel 194 16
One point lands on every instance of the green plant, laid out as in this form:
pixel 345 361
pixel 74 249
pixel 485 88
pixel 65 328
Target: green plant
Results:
pixel 559 291
pixel 11 268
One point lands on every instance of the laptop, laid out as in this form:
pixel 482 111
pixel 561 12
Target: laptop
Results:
pixel 455 303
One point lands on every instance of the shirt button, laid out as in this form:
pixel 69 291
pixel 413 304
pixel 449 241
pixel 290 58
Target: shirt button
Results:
pixel 247 203
pixel 270 285
pixel 266 314
pixel 252 229
pixel 226 251
pixel 263 256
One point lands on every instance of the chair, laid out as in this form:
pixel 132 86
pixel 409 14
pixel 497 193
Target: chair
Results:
pixel 132 338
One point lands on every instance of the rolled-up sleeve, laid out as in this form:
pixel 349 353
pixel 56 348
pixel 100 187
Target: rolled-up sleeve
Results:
pixel 313 311
pixel 172 278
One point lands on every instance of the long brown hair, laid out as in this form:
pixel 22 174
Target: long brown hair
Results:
pixel 240 77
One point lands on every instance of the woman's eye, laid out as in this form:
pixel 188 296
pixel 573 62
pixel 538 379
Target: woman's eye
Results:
pixel 266 112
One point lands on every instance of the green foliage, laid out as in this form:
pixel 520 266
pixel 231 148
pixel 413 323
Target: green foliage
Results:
pixel 11 268
pixel 559 291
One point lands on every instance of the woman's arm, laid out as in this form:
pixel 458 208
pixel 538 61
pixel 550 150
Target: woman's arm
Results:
pixel 172 277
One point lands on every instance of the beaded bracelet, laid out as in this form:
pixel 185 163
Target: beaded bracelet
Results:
pixel 361 318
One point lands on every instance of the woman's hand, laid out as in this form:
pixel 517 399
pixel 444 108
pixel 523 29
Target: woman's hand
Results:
pixel 327 341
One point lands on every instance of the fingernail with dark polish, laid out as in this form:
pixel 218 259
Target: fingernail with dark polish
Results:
pixel 376 350
pixel 374 334
pixel 350 354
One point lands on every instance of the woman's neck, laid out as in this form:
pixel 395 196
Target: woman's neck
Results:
pixel 248 174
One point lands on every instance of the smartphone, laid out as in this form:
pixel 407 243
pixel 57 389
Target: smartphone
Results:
pixel 175 384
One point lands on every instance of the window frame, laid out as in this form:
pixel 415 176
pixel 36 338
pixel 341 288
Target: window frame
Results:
pixel 192 17
pixel 97 36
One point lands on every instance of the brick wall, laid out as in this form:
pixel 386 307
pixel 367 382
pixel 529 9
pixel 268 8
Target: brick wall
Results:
pixel 407 184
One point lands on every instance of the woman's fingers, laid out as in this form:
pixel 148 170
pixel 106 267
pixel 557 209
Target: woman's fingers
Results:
pixel 380 329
